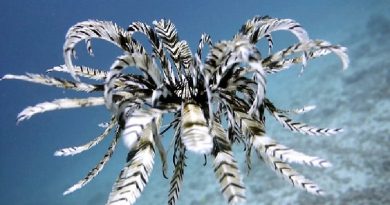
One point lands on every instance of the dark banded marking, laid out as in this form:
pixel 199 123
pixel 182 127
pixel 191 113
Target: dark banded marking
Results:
pixel 134 176
pixel 298 126
pixel 177 178
pixel 96 170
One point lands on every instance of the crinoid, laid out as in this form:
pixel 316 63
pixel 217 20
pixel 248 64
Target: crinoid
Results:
pixel 215 102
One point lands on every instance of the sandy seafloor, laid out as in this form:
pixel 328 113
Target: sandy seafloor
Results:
pixel 31 38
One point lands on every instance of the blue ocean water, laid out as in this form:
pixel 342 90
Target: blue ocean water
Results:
pixel 31 40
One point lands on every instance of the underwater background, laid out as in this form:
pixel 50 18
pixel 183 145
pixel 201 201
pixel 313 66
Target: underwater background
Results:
pixel 31 39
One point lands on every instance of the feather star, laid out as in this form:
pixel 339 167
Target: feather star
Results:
pixel 216 102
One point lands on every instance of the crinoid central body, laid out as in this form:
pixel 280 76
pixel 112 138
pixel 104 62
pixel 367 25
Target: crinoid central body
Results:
pixel 227 87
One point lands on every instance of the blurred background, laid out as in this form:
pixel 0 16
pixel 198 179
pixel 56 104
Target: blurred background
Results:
pixel 31 39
